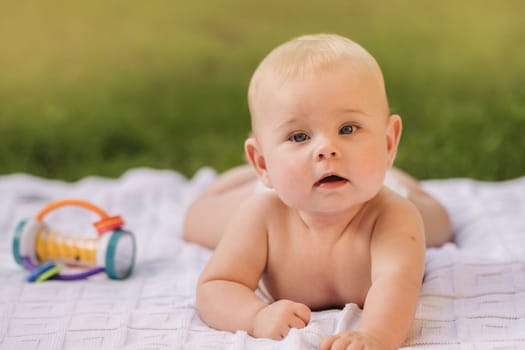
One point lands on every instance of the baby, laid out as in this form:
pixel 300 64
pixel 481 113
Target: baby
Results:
pixel 329 232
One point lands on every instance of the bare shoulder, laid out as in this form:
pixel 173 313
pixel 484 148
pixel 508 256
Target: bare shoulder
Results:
pixel 245 239
pixel 398 230
pixel 397 212
pixel 253 217
pixel 265 205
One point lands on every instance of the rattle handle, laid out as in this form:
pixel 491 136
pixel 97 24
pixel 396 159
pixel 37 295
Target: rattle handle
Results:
pixel 76 202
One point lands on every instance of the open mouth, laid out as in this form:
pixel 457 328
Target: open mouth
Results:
pixel 331 180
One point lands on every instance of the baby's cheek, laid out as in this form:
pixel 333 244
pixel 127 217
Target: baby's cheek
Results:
pixel 292 191
pixel 372 172
pixel 290 178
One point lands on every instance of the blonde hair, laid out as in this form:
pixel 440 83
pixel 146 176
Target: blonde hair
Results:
pixel 305 54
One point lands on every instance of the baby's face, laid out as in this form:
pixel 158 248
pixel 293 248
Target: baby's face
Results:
pixel 325 138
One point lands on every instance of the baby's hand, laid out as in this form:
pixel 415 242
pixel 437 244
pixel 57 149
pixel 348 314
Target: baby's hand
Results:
pixel 275 320
pixel 350 341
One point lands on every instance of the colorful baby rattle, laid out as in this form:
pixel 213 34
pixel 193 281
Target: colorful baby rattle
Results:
pixel 40 249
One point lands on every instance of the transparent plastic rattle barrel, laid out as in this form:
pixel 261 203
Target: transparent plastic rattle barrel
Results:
pixel 115 251
pixel 51 245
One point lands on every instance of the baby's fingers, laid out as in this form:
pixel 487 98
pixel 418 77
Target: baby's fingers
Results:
pixel 349 340
pixel 296 322
pixel 300 316
pixel 326 344
pixel 342 341
pixel 303 312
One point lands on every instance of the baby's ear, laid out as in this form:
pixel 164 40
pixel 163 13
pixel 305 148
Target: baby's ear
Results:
pixel 393 135
pixel 256 160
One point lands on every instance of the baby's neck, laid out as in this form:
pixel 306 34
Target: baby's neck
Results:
pixel 329 225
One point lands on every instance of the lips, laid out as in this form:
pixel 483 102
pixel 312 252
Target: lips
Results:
pixel 331 181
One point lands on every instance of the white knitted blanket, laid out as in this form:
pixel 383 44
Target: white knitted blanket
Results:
pixel 473 295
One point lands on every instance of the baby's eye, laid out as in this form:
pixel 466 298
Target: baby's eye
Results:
pixel 347 129
pixel 299 137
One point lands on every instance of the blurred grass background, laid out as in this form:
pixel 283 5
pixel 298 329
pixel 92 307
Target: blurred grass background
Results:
pixel 98 87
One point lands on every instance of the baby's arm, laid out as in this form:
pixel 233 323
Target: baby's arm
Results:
pixel 225 291
pixel 397 267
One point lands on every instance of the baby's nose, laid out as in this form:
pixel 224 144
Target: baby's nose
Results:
pixel 323 155
pixel 326 152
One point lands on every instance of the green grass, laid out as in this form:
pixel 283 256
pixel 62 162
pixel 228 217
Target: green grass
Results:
pixel 95 88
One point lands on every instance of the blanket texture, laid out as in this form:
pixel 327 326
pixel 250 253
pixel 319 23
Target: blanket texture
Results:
pixel 473 296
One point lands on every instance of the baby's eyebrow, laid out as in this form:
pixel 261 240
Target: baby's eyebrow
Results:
pixel 287 123
pixel 352 111
pixel 356 114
